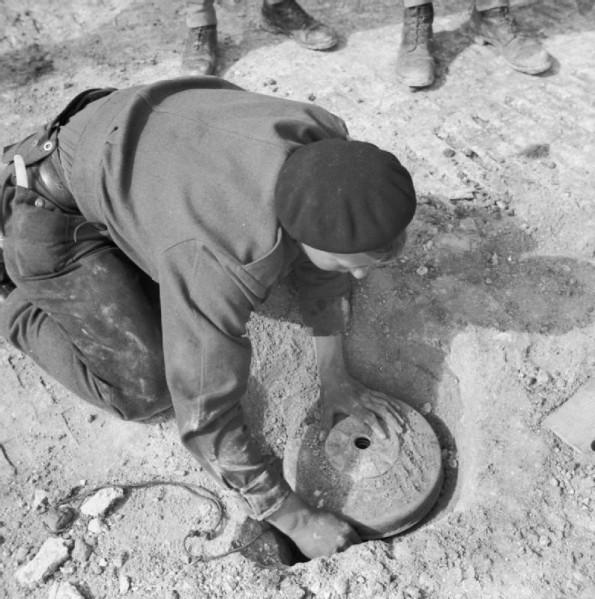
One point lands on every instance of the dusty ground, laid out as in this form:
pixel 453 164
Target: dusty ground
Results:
pixel 489 317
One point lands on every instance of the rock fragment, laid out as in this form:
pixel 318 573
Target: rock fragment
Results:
pixel 102 501
pixel 53 553
pixel 81 551
pixel 124 584
pixel 64 590
pixel 58 519
pixel 97 526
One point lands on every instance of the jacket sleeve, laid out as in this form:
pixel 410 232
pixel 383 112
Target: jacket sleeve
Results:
pixel 323 297
pixel 207 361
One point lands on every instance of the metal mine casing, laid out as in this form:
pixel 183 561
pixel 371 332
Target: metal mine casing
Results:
pixel 382 487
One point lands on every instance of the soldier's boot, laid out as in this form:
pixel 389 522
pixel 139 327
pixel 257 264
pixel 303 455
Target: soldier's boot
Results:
pixel 415 64
pixel 498 28
pixel 290 19
pixel 200 51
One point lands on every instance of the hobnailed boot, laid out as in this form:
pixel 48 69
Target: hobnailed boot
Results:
pixel 497 27
pixel 290 19
pixel 200 51
pixel 415 64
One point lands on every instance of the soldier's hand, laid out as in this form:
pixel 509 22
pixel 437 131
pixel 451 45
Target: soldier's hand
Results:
pixel 348 397
pixel 315 533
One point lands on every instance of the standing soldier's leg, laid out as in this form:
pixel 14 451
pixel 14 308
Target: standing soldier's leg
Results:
pixel 200 51
pixel 415 64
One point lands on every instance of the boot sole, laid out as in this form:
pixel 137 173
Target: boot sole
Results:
pixel 483 41
pixel 415 84
pixel 278 31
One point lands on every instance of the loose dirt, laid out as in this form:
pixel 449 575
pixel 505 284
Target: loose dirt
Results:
pixel 486 325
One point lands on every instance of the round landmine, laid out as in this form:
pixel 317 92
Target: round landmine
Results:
pixel 381 486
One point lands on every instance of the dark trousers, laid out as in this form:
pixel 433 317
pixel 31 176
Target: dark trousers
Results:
pixel 81 310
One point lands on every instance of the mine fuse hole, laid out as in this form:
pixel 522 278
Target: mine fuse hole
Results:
pixel 364 442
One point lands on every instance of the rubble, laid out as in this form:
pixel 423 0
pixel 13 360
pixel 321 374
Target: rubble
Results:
pixel 99 503
pixel 64 590
pixel 52 554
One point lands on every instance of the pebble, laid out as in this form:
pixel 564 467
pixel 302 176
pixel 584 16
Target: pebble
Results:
pixel 64 590
pixel 427 408
pixel 121 559
pixel 81 551
pixel 40 500
pixel 97 526
pixel 448 152
pixel 123 584
pixel 99 503
pixel 20 554
pixel 69 569
pixel 60 518
pixel 412 593
pixel 422 271
pixel 311 96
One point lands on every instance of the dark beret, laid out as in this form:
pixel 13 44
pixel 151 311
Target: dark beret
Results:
pixel 344 196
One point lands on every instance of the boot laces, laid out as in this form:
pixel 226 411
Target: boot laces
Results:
pixel 420 33
pixel 201 37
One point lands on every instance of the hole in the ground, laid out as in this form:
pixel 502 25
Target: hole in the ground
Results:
pixel 362 442
pixel 593 445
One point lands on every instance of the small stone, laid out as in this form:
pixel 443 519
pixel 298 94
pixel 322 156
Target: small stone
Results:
pixel 413 593
pixel 422 271
pixel 448 152
pixel 123 584
pixel 69 569
pixel 99 503
pixel 40 500
pixel 64 590
pixel 121 559
pixel 97 526
pixel 427 408
pixel 59 518
pixel 81 551
pixel 550 164
pixel 91 418
pixel 21 554
pixel 554 482
pixel 52 554
pixel 311 96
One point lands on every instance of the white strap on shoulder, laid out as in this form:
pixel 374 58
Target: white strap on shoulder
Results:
pixel 21 171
